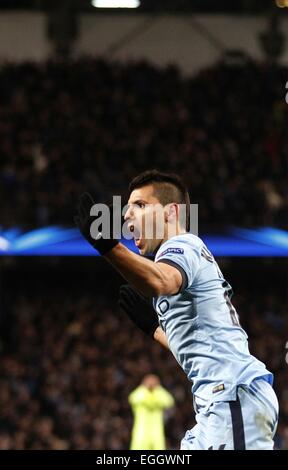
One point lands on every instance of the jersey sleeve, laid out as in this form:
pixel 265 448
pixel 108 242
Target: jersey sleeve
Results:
pixel 182 256
pixel 140 396
pixel 163 398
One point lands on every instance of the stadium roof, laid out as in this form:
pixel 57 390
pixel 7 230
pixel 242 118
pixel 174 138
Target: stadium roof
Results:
pixel 204 6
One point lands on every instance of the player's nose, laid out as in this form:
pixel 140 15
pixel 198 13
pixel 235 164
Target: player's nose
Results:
pixel 128 214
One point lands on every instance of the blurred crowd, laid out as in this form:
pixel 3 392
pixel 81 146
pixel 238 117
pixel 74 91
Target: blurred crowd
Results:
pixel 69 360
pixel 92 125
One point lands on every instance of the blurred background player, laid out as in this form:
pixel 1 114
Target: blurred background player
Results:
pixel 148 402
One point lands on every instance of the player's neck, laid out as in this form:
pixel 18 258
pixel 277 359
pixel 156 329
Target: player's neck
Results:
pixel 173 231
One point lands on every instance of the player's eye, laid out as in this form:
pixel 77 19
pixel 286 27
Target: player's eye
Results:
pixel 141 205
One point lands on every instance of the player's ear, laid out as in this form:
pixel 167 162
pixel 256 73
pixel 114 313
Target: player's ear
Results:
pixel 166 213
pixel 172 211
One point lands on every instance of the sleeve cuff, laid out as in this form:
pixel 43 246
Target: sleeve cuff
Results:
pixel 181 271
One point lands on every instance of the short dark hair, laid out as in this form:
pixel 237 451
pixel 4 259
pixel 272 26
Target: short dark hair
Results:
pixel 168 188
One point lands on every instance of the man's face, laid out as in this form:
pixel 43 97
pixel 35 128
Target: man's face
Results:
pixel 146 219
pixel 151 381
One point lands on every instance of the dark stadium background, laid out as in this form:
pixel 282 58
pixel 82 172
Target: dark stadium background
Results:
pixel 68 356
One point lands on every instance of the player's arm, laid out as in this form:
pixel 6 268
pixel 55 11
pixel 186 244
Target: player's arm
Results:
pixel 149 278
pixel 160 336
pixel 141 312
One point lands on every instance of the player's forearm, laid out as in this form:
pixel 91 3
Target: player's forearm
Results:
pixel 160 336
pixel 142 273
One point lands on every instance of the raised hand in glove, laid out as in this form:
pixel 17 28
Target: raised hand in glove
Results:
pixel 84 221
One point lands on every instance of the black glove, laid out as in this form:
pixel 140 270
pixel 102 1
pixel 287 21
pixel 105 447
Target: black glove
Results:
pixel 138 309
pixel 83 220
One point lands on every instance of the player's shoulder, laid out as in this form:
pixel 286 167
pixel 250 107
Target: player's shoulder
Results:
pixel 178 243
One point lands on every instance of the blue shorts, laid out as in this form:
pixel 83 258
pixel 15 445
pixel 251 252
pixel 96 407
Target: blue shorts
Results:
pixel 248 423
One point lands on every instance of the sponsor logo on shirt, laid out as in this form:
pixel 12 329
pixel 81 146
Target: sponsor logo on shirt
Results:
pixel 178 251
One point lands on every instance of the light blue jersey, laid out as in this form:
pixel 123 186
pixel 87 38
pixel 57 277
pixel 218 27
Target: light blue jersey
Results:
pixel 202 326
pixel 236 407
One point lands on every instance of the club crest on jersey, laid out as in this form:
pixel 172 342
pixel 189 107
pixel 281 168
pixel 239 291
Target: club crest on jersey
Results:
pixel 163 306
pixel 178 251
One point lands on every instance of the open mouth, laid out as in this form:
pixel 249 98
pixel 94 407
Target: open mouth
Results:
pixel 137 242
pixel 136 235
